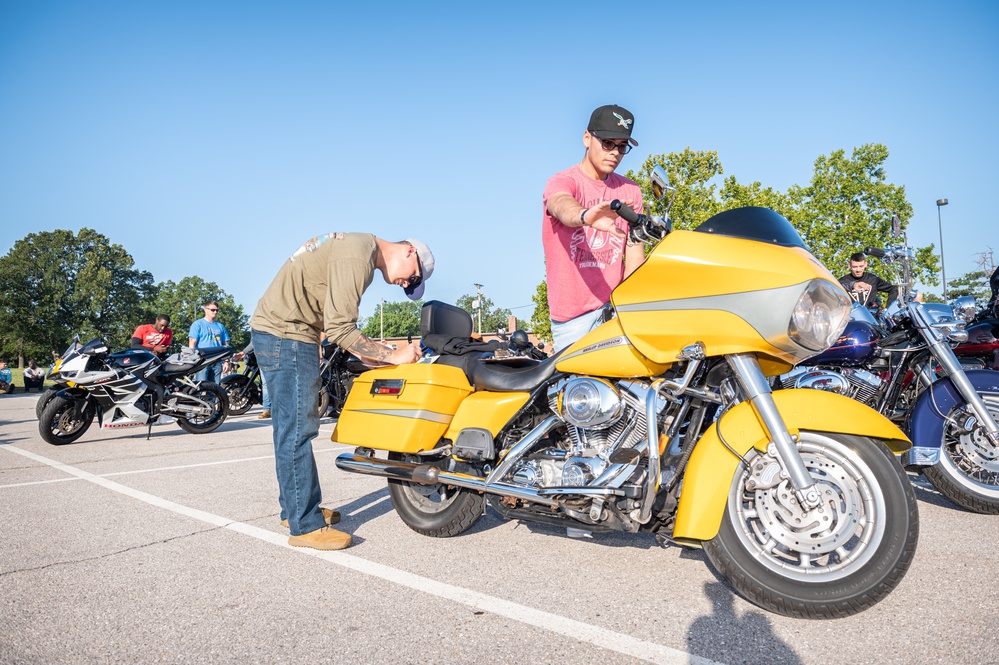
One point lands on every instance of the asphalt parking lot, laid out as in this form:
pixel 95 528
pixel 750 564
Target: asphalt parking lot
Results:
pixel 120 549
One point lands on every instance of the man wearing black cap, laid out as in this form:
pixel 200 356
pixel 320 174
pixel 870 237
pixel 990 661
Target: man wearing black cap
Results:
pixel 318 290
pixel 587 250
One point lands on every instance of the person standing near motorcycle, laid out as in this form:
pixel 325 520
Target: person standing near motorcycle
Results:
pixel 587 249
pixel 207 333
pixel 318 290
pixel 154 337
pixel 864 287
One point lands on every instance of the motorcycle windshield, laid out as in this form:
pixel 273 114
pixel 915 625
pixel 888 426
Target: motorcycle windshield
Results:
pixel 753 223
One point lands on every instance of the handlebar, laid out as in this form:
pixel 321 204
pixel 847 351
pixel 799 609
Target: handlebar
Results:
pixel 642 228
pixel 626 212
pixel 875 252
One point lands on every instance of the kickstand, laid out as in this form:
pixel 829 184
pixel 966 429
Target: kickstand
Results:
pixel 149 428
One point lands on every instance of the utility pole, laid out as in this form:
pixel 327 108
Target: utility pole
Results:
pixel 381 316
pixel 478 304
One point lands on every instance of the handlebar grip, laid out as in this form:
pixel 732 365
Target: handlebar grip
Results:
pixel 874 251
pixel 625 211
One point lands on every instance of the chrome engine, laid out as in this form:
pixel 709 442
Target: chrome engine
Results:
pixel 605 421
pixel 857 384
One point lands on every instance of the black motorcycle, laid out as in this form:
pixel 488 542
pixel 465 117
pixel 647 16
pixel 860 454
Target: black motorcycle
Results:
pixel 130 389
pixel 337 370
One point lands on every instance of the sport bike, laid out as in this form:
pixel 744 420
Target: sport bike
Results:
pixel 662 420
pixel 889 364
pixel 130 389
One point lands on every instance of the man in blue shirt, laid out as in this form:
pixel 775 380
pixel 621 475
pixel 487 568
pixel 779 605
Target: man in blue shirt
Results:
pixel 207 333
pixel 6 380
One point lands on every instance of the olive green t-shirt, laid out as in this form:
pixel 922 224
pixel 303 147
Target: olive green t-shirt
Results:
pixel 319 289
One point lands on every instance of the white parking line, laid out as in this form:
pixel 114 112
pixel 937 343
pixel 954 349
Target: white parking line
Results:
pixel 168 468
pixel 577 630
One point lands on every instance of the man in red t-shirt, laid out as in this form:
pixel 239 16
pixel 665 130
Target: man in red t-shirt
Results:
pixel 587 249
pixel 154 337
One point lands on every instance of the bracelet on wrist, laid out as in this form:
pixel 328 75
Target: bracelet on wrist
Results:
pixel 582 222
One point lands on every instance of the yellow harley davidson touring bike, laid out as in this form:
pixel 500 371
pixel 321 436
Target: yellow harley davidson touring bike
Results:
pixel 662 420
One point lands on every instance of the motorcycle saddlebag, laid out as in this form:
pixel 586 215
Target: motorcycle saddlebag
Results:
pixel 405 408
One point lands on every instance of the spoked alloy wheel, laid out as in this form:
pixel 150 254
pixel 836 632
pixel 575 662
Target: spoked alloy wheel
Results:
pixel 239 393
pixel 434 510
pixel 833 561
pixel 968 470
pixel 60 423
pixel 202 423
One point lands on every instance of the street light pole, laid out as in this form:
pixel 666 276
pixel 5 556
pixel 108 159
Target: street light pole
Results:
pixel 943 270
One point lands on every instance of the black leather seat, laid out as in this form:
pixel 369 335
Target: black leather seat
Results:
pixel 504 379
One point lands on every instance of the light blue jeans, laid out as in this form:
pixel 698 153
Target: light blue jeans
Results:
pixel 291 371
pixel 210 373
pixel 569 332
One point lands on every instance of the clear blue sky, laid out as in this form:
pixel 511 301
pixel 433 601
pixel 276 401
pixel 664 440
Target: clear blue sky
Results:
pixel 213 138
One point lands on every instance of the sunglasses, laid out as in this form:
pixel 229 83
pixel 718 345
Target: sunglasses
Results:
pixel 211 309
pixel 608 145
pixel 415 279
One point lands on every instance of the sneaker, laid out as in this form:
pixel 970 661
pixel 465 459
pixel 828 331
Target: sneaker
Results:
pixel 326 538
pixel 331 516
pixel 266 413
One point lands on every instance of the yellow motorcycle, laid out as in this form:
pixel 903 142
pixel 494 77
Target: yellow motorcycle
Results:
pixel 662 420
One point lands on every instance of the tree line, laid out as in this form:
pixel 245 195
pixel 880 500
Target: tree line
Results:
pixel 58 283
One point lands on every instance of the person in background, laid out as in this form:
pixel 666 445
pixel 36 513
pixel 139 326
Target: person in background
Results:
pixel 34 377
pixel 207 333
pixel 864 287
pixel 317 290
pixel 587 249
pixel 154 337
pixel 6 379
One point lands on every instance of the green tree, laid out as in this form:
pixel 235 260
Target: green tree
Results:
pixel 57 283
pixel 183 302
pixel 541 323
pixel 400 319
pixel 975 284
pixel 493 318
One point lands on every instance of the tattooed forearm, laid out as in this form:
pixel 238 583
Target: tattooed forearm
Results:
pixel 369 348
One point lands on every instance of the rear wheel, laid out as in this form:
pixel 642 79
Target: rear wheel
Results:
pixel 833 561
pixel 205 418
pixel 438 510
pixel 968 470
pixel 323 403
pixel 239 393
pixel 61 422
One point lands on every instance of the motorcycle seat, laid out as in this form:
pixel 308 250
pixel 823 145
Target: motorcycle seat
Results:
pixel 506 379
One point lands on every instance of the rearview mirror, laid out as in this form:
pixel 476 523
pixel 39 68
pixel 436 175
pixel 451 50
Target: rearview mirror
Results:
pixel 660 182
pixel 896 226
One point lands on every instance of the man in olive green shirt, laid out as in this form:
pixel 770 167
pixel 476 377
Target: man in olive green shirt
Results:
pixel 318 290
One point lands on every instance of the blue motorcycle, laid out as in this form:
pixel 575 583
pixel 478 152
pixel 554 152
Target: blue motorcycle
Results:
pixel 904 366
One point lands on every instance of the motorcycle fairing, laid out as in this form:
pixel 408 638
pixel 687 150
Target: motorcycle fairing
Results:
pixel 411 421
pixel 712 466
pixel 924 422
pixel 606 351
pixel 745 290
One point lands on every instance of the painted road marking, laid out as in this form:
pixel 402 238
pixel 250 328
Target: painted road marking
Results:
pixel 577 630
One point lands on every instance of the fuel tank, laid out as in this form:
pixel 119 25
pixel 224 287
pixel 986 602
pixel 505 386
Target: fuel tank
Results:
pixel 130 358
pixel 857 345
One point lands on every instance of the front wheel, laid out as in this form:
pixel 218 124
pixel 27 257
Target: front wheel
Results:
pixel 833 561
pixel 62 422
pixel 438 510
pixel 968 470
pixel 240 392
pixel 202 419
pixel 323 403
pixel 45 398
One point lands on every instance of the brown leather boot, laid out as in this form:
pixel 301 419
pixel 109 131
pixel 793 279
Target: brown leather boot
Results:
pixel 326 538
pixel 331 517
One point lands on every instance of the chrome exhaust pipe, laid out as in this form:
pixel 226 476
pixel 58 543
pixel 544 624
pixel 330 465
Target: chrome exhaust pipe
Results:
pixel 426 474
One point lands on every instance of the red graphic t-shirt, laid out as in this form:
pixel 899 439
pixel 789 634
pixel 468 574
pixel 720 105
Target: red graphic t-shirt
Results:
pixel 584 265
pixel 150 336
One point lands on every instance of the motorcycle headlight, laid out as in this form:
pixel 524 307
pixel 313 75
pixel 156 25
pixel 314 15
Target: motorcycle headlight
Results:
pixel 819 316
pixel 965 308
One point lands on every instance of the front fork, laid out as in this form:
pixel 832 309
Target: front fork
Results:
pixel 951 367
pixel 754 385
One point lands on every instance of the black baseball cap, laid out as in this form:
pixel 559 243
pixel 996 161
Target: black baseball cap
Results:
pixel 612 122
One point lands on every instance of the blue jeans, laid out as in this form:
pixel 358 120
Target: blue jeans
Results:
pixel 291 372
pixel 266 396
pixel 210 373
pixel 567 333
